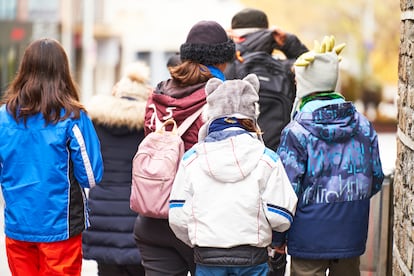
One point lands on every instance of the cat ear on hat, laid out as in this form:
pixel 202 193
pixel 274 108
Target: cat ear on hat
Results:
pixel 253 80
pixel 212 85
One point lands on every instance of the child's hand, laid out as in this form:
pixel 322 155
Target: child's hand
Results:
pixel 280 249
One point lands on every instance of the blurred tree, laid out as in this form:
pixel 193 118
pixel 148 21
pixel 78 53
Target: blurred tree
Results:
pixel 371 30
pixel 369 27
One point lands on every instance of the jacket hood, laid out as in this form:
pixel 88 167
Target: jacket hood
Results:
pixel 230 158
pixel 181 101
pixel 117 112
pixel 331 123
pixel 173 89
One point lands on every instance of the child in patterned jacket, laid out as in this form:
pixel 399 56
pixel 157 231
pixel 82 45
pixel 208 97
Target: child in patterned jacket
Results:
pixel 330 152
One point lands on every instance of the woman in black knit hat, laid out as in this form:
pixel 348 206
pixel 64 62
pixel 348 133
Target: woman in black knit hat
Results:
pixel 204 55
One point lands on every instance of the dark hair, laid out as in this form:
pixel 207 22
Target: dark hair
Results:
pixel 43 84
pixel 189 73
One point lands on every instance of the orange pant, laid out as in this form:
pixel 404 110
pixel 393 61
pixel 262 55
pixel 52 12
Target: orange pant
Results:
pixel 45 258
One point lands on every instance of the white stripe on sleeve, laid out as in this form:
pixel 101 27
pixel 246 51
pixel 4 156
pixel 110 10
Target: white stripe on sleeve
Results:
pixel 85 157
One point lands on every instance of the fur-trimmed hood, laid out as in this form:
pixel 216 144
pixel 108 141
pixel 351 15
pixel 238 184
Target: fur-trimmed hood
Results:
pixel 116 112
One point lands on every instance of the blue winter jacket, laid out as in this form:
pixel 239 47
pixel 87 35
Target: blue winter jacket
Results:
pixel 332 158
pixel 43 170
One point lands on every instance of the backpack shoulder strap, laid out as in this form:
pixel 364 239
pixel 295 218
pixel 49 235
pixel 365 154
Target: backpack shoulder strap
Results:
pixel 189 121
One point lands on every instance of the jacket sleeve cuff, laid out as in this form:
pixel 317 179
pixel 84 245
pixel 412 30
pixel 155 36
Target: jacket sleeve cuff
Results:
pixel 278 238
pixel 293 47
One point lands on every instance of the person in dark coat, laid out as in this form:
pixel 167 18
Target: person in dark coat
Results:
pixel 119 121
pixel 204 55
pixel 251 32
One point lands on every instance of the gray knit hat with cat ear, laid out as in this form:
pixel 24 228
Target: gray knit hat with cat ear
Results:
pixel 232 98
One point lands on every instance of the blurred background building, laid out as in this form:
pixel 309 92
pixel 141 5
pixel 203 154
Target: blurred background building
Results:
pixel 102 37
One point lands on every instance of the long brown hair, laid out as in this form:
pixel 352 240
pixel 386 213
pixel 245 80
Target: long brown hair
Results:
pixel 189 73
pixel 43 84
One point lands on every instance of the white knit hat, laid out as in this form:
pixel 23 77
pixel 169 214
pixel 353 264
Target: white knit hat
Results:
pixel 321 75
pixel 318 69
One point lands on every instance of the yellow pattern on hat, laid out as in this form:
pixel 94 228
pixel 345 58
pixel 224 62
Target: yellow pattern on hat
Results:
pixel 317 70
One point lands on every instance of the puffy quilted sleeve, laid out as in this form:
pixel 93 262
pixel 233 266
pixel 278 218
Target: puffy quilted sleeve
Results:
pixel 279 198
pixel 180 206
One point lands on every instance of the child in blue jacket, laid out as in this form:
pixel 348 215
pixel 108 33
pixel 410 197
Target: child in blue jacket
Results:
pixel 49 152
pixel 330 152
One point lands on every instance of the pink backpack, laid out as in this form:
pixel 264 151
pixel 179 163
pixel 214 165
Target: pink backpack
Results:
pixel 154 168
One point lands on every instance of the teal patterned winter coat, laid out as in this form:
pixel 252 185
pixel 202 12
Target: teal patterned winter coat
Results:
pixel 332 159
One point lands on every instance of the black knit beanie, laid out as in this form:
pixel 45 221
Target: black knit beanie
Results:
pixel 249 18
pixel 207 43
